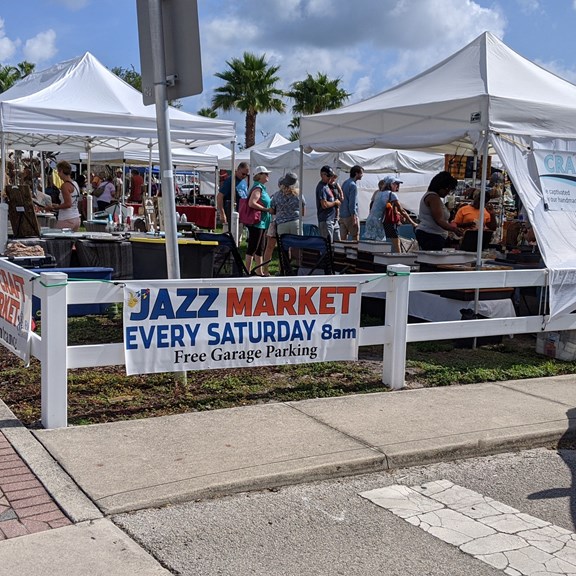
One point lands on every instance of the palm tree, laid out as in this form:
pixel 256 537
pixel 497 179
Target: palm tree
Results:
pixel 207 113
pixel 11 74
pixel 313 95
pixel 250 87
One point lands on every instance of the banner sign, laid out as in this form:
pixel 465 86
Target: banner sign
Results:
pixel 15 309
pixel 557 171
pixel 188 325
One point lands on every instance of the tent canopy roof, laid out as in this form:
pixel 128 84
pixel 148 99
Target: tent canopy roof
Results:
pixel 485 86
pixel 80 101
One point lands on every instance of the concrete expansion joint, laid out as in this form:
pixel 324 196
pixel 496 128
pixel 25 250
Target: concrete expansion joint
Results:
pixel 346 434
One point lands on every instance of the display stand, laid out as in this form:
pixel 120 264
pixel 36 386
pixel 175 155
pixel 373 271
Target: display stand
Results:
pixel 21 212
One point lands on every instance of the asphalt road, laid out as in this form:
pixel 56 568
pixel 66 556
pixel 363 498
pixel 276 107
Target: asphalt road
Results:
pixel 327 529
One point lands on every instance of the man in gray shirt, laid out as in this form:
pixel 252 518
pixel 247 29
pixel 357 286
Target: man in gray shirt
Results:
pixel 349 218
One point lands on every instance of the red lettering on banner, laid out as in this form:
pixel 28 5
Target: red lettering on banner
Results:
pixel 346 292
pixel 305 304
pixel 239 306
pixel 264 304
pixel 286 300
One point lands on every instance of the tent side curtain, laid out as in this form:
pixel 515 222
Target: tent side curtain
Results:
pixel 555 229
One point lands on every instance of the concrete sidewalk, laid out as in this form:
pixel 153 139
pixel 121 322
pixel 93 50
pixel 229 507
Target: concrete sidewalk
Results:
pixel 105 469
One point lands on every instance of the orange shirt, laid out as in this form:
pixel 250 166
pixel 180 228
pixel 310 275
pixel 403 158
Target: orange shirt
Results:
pixel 468 214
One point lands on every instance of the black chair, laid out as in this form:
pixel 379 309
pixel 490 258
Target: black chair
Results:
pixel 304 255
pixel 228 261
pixel 469 242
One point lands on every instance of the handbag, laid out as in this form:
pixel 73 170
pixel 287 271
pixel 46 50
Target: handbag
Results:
pixel 99 191
pixel 391 214
pixel 247 215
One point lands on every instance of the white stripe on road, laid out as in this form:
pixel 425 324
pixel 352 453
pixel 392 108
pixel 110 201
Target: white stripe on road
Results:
pixel 495 533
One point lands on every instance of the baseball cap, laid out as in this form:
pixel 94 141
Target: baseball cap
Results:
pixel 260 170
pixel 327 170
pixel 392 180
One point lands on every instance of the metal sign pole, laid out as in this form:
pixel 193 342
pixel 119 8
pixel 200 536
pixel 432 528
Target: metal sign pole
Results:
pixel 163 124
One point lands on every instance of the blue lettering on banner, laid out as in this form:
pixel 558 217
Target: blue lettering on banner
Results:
pixel 256 332
pixel 161 336
pixel 557 164
pixel 191 303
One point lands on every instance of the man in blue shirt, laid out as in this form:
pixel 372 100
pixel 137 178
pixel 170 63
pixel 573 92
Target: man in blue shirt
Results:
pixel 224 196
pixel 349 219
pixel 327 203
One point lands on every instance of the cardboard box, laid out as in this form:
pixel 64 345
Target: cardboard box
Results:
pixel 558 345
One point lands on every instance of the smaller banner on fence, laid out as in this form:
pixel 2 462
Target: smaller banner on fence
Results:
pixel 182 325
pixel 557 171
pixel 15 309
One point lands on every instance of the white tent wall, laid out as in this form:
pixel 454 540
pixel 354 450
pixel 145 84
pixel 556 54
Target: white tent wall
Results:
pixel 377 163
pixel 555 230
pixel 484 92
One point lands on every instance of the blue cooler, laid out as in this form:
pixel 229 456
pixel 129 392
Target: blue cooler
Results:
pixel 92 273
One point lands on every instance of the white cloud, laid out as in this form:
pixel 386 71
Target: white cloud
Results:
pixel 8 47
pixel 370 44
pixel 560 70
pixel 40 48
pixel 528 6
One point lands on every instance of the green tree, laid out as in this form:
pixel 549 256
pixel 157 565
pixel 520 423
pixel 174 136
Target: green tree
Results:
pixel 208 113
pixel 250 87
pixel 134 78
pixel 130 76
pixel 313 95
pixel 11 74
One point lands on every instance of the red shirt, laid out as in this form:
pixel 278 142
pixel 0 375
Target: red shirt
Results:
pixel 136 183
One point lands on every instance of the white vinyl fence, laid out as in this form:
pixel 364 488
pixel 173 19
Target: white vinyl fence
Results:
pixel 57 357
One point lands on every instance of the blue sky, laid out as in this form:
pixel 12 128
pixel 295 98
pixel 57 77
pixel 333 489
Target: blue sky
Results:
pixel 370 44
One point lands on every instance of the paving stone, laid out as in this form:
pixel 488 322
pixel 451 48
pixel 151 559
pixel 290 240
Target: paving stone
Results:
pixel 13 528
pixel 60 522
pixel 21 485
pixel 28 502
pixel 37 510
pixel 22 469
pixel 20 494
pixel 34 526
pixel 16 478
pixel 48 516
pixel 8 514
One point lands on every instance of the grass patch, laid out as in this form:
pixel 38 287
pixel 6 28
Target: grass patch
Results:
pixel 107 394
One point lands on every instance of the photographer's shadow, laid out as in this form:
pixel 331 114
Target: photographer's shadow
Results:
pixel 566 451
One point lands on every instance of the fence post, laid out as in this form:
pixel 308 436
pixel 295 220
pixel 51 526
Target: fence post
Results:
pixel 54 357
pixel 394 361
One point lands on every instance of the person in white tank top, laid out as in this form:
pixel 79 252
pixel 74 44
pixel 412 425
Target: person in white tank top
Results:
pixel 67 210
pixel 434 227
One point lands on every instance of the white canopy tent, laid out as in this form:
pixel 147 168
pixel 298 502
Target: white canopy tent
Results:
pixel 484 95
pixel 414 168
pixel 80 103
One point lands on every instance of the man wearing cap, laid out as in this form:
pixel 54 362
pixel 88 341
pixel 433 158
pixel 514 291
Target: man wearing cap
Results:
pixel 327 202
pixel 349 220
pixel 224 196
pixel 119 184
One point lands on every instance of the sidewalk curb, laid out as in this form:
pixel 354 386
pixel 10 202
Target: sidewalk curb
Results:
pixel 75 504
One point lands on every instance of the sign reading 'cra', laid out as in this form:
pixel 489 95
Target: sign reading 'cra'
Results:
pixel 557 172
pixel 195 325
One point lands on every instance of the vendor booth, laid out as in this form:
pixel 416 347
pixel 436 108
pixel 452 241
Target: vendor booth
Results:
pixel 486 98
